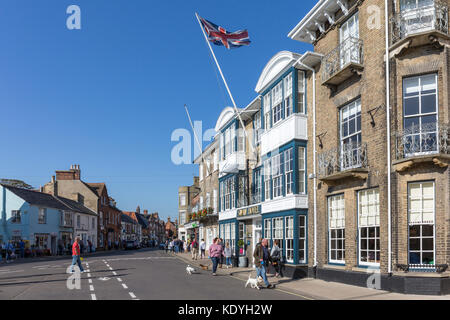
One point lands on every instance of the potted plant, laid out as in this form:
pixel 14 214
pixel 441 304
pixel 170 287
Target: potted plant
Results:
pixel 243 260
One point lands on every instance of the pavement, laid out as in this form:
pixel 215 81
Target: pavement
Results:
pixel 309 288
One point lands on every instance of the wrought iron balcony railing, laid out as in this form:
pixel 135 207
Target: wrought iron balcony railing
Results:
pixel 346 157
pixel 348 52
pixel 417 140
pixel 433 17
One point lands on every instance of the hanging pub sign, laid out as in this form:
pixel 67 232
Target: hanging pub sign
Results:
pixel 249 211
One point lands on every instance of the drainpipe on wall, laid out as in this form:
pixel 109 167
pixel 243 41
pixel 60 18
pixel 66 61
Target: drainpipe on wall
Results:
pixel 388 126
pixel 314 162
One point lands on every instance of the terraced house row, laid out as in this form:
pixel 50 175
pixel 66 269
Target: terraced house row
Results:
pixel 346 150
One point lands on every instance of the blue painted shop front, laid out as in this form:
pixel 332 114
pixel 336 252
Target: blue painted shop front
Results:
pixel 290 228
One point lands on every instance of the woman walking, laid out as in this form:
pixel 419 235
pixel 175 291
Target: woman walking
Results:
pixel 227 253
pixel 216 253
pixel 276 257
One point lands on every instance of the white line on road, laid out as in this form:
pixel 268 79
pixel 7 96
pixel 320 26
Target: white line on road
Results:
pixel 124 286
pixel 12 271
pixel 114 273
pixel 89 275
pixel 90 280
pixel 93 297
pixel 91 287
pixel 132 295
pixel 118 279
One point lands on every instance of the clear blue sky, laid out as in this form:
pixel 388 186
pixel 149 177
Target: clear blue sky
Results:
pixel 109 96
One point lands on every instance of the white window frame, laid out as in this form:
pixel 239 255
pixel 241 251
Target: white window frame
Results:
pixel 267 229
pixel 289 238
pixel 302 239
pixel 353 110
pixel 215 200
pixel 336 223
pixel 257 128
pixel 287 96
pixel 277 232
pixel 349 52
pixel 182 200
pixel 267 107
pixel 420 114
pixel 369 218
pixel 277 103
pixel 289 170
pixel 422 221
pixel 301 170
pixel 277 176
pixel 267 180
pixel 301 88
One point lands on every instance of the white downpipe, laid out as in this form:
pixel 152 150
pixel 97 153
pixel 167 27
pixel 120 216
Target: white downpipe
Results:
pixel 388 126
pixel 314 159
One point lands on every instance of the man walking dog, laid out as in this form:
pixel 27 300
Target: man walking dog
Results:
pixel 262 258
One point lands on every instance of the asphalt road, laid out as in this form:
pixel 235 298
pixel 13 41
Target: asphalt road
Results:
pixel 131 275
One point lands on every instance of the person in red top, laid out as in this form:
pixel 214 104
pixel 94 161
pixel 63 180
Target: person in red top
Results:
pixel 76 255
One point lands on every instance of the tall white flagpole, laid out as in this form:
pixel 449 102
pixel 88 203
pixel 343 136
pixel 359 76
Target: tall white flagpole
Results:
pixel 225 82
pixel 196 139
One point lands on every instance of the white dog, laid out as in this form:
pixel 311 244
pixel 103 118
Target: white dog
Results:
pixel 189 269
pixel 253 282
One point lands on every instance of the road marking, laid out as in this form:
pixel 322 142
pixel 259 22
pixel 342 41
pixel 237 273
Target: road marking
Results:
pixel 12 271
pixel 93 297
pixel 90 280
pixel 132 295
pixel 110 268
pixel 118 279
pixel 124 286
pixel 91 287
pixel 114 273
pixel 89 275
pixel 46 265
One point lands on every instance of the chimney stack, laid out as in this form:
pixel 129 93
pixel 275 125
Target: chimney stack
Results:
pixel 77 172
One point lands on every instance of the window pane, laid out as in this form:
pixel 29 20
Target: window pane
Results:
pixel 427 258
pixel 427 244
pixel 414 244
pixel 414 231
pixel 428 103
pixel 427 230
pixel 411 106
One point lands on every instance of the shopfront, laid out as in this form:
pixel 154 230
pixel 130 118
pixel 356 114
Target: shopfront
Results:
pixel 249 230
pixel 290 229
pixel 192 230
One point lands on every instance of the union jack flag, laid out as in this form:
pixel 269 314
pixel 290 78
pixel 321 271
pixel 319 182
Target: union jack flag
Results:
pixel 221 37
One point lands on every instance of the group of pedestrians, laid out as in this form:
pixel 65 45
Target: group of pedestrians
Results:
pixel 8 251
pixel 262 257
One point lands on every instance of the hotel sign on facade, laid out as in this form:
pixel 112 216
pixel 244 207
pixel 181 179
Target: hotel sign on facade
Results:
pixel 250 211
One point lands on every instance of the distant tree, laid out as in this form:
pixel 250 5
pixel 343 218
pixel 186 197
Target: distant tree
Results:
pixel 16 183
